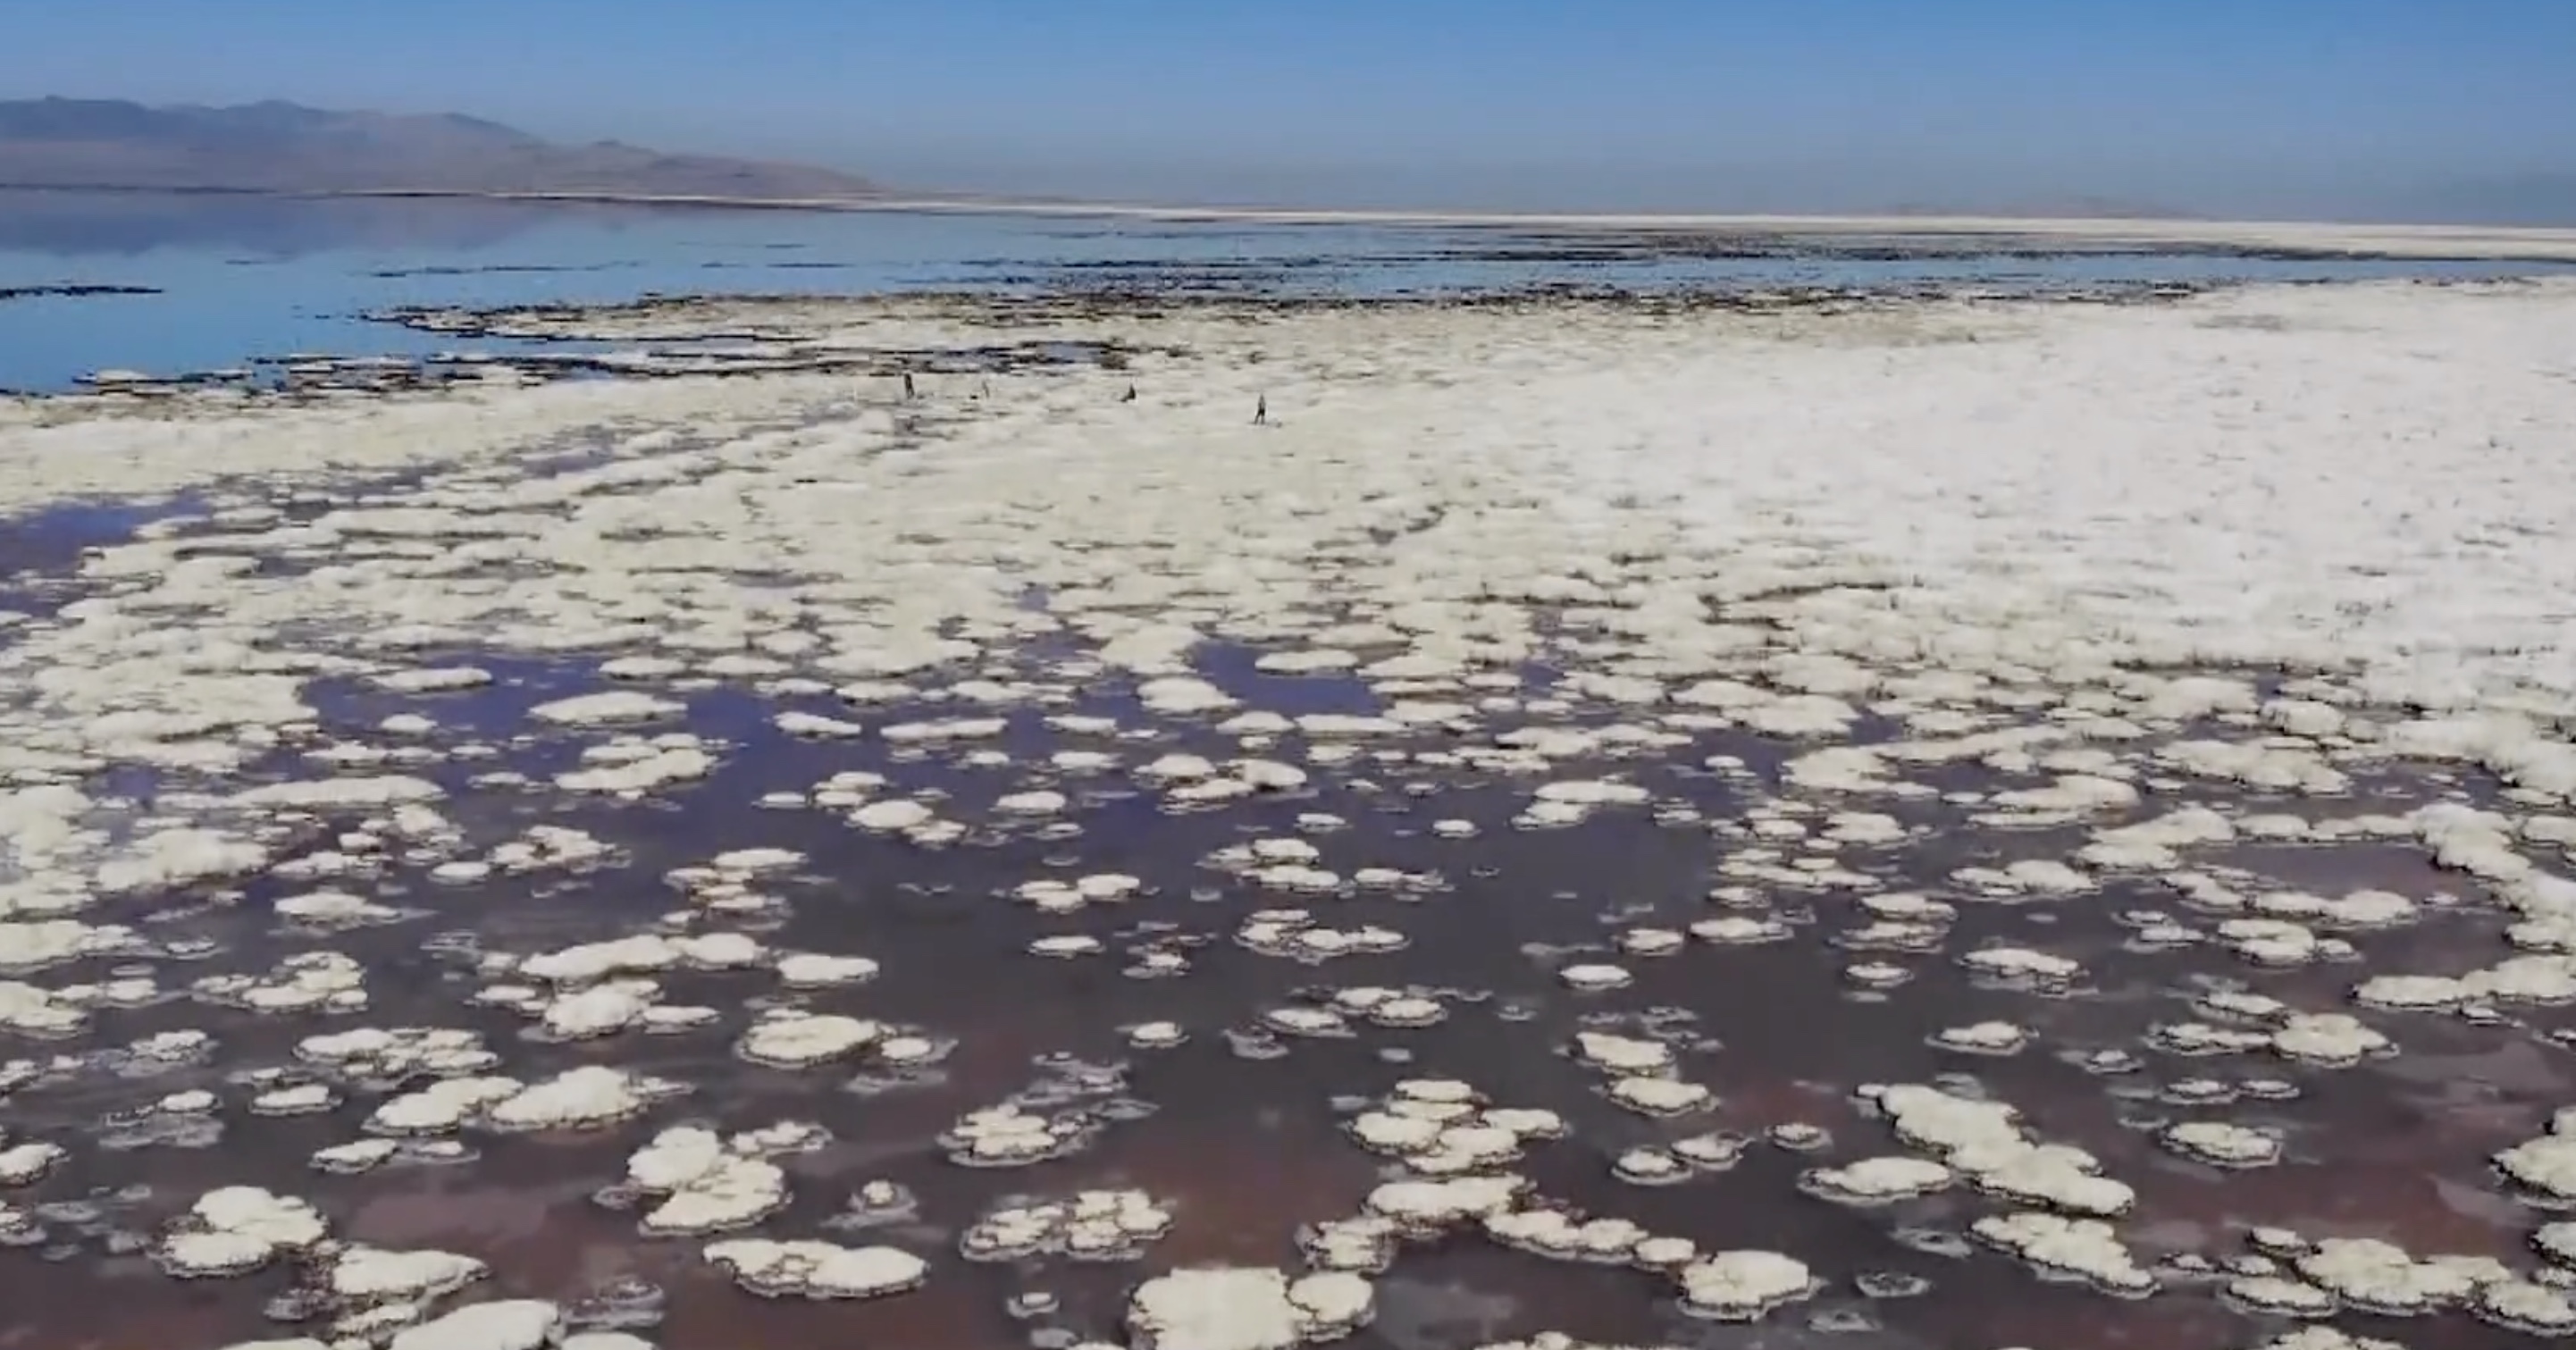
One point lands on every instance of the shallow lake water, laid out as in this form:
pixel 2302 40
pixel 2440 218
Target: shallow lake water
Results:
pixel 217 281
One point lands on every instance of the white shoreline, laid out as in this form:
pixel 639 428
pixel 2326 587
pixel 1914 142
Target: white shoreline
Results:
pixel 2470 242
pixel 2419 241
pixel 2425 241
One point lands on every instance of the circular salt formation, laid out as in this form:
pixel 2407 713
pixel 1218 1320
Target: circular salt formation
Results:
pixel 332 911
pixel 615 706
pixel 1240 1308
pixel 1464 1147
pixel 1092 1226
pixel 892 816
pixel 2380 1277
pixel 2022 967
pixel 1739 1286
pixel 2198 1092
pixel 363 1275
pixel 440 1107
pixel 1714 1152
pixel 1182 696
pixel 1894 935
pixel 1265 775
pixel 2556 1241
pixel 817 1270
pixel 2281 1242
pixel 1553 1233
pixel 1364 1244
pixel 795 1039
pixel 2275 1296
pixel 1305 1022
pixel 1595 977
pixel 1407 1011
pixel 899 1051
pixel 2240 1005
pixel 1738 930
pixel 1041 803
pixel 505 1324
pixel 1390 1008
pixel 2521 1305
pixel 588 1097
pixel 1664 1253
pixel 947 731
pixel 299 1100
pixel 2085 1249
pixel 1876 1181
pixel 1158 965
pixel 25 1164
pixel 1984 1038
pixel 2220 1144
pixel 811 726
pixel 1622 1054
pixel 1156 1035
pixel 1399 1135
pixel 1798 1136
pixel 1649 1167
pixel 1294 935
pixel 2200 1038
pixel 1006 1136
pixel 1659 1096
pixel 1876 974
pixel 2411 993
pixel 1455 1096
pixel 1525 1122
pixel 2328 1040
pixel 816 970
pixel 1651 941
pixel 236 1229
pixel 2271 942
pixel 605 1340
pixel 1431 1206
pixel 708 1187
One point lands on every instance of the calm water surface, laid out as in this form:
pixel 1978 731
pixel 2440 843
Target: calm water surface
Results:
pixel 239 279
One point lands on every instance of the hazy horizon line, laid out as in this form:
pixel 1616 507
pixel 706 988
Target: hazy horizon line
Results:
pixel 1884 183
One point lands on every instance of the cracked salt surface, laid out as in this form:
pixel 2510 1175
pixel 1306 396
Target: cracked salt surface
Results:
pixel 1693 823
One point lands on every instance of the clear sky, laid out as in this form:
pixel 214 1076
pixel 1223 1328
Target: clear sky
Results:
pixel 2248 106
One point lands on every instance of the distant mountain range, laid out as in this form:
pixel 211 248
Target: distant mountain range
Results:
pixel 286 147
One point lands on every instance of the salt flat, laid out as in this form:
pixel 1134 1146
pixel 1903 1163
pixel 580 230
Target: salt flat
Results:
pixel 2388 240
pixel 1812 808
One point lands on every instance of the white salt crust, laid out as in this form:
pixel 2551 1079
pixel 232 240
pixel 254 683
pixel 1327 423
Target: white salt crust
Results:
pixel 1245 1308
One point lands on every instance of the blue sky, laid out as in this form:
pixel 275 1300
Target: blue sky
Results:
pixel 2264 106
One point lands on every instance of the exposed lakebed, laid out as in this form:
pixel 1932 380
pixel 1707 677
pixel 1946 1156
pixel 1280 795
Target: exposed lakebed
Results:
pixel 1917 822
